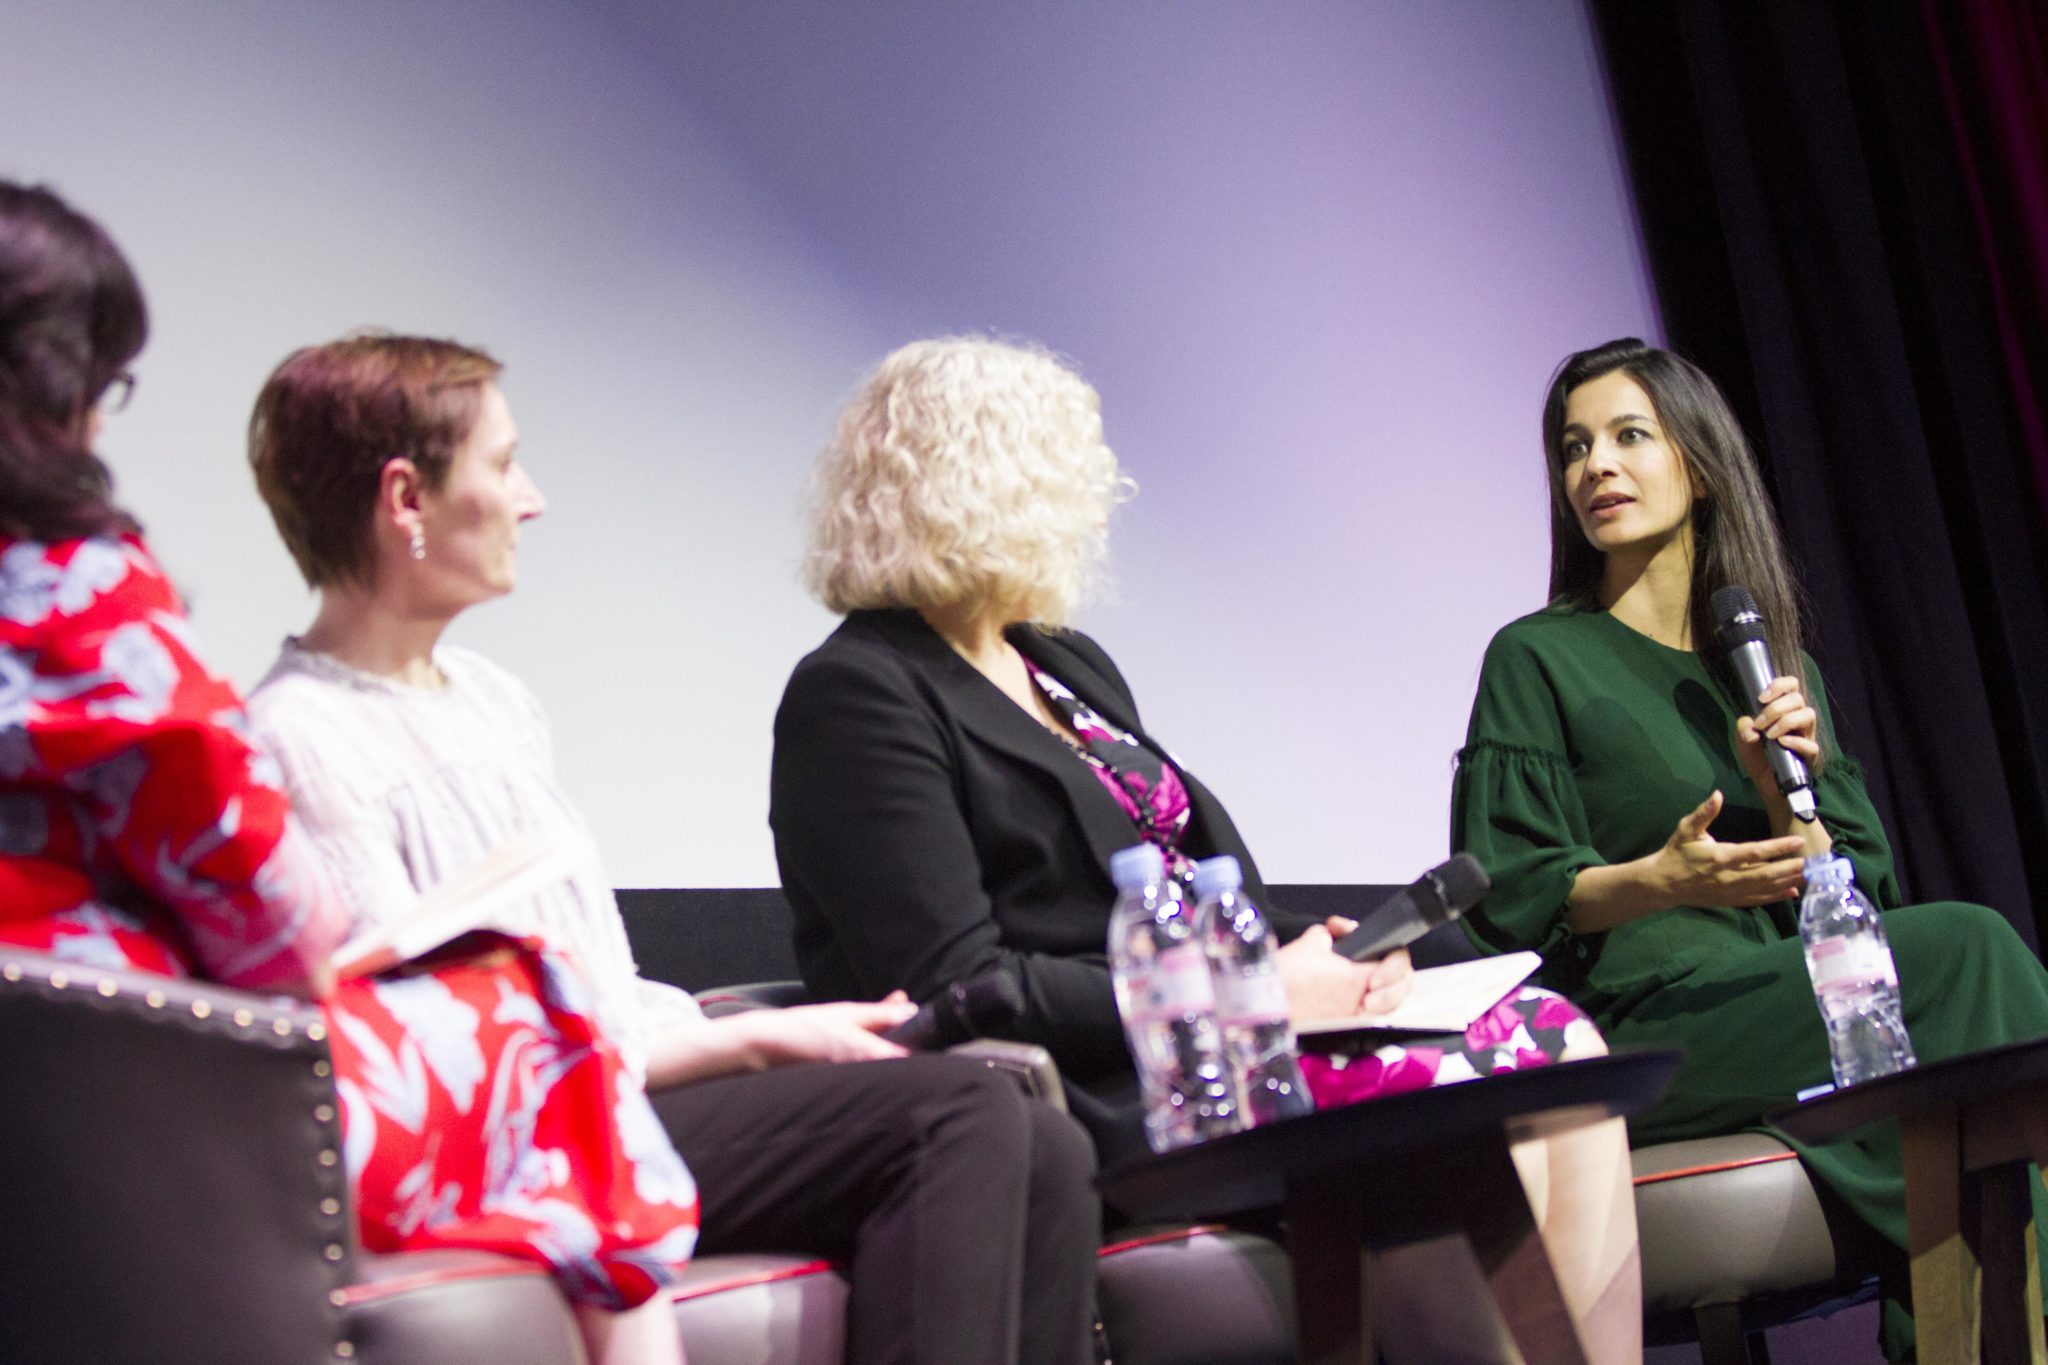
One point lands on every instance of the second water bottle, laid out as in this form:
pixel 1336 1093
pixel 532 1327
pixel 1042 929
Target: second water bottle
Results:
pixel 1163 991
pixel 1251 999
pixel 1855 982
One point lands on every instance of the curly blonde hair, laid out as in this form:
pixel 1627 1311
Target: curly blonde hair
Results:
pixel 965 471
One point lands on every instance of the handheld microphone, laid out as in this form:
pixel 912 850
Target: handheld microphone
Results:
pixel 966 1009
pixel 1739 630
pixel 1438 896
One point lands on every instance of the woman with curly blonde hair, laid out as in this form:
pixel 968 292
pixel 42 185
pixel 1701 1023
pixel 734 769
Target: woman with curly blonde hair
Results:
pixel 954 767
pixel 966 471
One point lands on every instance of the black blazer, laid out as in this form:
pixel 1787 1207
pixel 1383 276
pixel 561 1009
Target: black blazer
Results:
pixel 928 828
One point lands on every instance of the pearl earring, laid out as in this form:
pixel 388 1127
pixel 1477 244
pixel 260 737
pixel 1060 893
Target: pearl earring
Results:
pixel 418 541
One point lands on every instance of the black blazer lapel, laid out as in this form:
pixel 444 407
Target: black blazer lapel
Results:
pixel 1210 827
pixel 982 710
pixel 1110 829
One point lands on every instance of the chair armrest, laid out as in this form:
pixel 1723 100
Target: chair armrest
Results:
pixel 1031 1065
pixel 174 1174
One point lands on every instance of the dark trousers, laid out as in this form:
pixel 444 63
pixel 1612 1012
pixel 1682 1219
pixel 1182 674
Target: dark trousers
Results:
pixel 963 1213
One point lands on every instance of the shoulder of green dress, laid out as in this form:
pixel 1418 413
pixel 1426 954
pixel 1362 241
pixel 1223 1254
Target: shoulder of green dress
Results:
pixel 1554 627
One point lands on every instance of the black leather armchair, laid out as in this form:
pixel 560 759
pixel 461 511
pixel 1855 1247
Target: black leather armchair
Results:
pixel 174 1192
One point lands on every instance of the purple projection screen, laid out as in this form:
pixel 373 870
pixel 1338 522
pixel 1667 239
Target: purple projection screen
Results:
pixel 1319 258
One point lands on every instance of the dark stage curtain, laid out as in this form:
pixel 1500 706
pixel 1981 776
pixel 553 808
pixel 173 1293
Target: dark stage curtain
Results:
pixel 1846 211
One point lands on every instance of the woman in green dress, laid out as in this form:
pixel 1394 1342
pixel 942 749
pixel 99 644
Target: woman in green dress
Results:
pixel 1618 793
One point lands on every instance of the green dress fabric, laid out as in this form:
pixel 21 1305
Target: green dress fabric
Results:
pixel 1588 742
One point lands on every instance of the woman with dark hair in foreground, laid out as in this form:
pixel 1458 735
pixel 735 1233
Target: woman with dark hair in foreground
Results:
pixel 1616 788
pixel 139 827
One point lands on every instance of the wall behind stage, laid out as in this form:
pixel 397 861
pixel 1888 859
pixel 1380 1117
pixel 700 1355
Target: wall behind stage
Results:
pixel 1319 258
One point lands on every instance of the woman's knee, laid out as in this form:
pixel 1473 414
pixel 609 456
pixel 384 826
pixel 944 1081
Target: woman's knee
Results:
pixel 1578 1037
pixel 969 1103
pixel 1946 926
pixel 1949 946
pixel 1062 1153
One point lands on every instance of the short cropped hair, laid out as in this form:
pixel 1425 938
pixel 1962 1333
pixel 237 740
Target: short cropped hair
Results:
pixel 965 471
pixel 332 416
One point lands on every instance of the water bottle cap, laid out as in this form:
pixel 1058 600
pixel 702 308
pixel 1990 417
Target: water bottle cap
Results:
pixel 1137 866
pixel 1830 868
pixel 1214 876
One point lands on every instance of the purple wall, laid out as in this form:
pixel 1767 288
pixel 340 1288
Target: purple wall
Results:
pixel 1319 255
pixel 1320 260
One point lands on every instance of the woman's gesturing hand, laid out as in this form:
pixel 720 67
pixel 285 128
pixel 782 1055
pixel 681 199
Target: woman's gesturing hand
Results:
pixel 1695 868
pixel 1787 718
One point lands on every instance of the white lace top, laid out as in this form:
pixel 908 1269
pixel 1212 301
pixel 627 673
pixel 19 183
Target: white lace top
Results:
pixel 401 787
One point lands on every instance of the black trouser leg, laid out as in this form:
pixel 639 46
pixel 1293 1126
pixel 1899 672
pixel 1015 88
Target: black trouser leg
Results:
pixel 963 1210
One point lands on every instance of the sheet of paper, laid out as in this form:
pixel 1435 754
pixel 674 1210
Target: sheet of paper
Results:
pixel 1445 999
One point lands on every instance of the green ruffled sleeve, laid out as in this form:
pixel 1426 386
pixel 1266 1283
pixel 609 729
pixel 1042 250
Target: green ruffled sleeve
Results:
pixel 1845 808
pixel 1515 806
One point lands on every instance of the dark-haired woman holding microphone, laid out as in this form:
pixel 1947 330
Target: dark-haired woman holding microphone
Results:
pixel 1618 790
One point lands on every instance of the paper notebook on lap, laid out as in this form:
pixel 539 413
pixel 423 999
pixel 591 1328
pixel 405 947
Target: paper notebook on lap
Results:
pixel 473 899
pixel 1445 1000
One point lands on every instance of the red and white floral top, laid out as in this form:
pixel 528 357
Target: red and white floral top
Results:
pixel 140 824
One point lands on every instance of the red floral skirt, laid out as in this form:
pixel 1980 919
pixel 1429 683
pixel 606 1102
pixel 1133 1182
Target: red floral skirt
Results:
pixel 481 1108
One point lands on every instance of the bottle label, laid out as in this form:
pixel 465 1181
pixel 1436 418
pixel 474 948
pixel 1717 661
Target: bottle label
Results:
pixel 1175 984
pixel 1249 999
pixel 1839 963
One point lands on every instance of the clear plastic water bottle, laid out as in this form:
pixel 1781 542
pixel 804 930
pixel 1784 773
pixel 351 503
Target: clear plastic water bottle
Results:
pixel 1168 1005
pixel 1251 999
pixel 1855 982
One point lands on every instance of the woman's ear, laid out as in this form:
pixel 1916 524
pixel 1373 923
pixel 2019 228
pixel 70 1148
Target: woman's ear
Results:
pixel 399 487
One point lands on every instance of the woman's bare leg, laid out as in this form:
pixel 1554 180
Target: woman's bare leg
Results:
pixel 1583 1195
pixel 646 1335
pixel 1431 1303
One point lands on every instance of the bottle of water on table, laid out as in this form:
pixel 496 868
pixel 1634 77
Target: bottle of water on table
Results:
pixel 1168 1003
pixel 1855 982
pixel 1251 998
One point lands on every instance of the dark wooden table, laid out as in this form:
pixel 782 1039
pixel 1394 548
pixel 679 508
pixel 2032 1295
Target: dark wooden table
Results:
pixel 1968 1126
pixel 1397 1170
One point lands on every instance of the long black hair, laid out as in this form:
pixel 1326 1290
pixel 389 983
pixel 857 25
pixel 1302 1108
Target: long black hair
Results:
pixel 71 318
pixel 1735 533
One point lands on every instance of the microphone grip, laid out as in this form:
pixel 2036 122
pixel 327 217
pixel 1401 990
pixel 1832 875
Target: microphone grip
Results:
pixel 936 1025
pixel 966 1009
pixel 1752 665
pixel 1394 925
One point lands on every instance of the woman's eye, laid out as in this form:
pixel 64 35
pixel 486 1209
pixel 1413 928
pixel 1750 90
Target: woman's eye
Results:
pixel 1574 451
pixel 1628 436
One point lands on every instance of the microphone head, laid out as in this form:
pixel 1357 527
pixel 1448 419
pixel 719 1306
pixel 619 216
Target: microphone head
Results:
pixel 990 1001
pixel 1736 619
pixel 1464 881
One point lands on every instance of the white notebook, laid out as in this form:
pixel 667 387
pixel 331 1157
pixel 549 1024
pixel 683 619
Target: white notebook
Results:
pixel 1445 999
pixel 470 900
